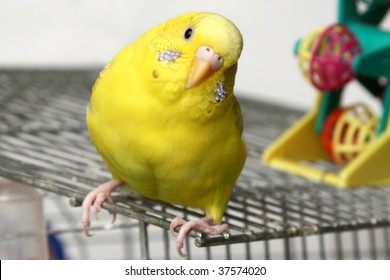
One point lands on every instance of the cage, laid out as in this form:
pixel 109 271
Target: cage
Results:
pixel 272 215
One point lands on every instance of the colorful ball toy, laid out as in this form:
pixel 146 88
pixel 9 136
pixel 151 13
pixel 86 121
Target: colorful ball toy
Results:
pixel 305 51
pixel 347 131
pixel 326 56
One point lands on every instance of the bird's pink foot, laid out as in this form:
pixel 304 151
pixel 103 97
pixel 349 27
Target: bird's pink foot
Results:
pixel 96 198
pixel 205 225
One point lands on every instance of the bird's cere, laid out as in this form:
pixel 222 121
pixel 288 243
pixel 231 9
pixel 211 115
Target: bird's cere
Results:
pixel 207 54
pixel 206 62
pixel 221 92
pixel 169 55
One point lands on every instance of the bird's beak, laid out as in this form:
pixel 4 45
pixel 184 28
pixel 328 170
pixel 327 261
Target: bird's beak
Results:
pixel 206 62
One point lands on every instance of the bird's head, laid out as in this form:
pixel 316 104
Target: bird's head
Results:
pixel 196 49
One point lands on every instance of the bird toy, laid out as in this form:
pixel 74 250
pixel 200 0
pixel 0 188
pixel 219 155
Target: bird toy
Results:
pixel 348 131
pixel 354 48
pixel 332 56
pixel 305 50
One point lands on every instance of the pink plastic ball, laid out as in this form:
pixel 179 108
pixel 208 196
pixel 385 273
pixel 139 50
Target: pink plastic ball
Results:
pixel 332 57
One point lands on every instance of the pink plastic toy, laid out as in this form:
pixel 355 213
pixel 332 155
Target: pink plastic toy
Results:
pixel 332 56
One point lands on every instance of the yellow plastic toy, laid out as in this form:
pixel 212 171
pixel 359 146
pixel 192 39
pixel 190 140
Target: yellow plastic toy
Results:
pixel 348 131
pixel 301 146
pixel 305 51
pixel 363 52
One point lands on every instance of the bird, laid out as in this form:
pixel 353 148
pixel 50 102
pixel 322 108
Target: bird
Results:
pixel 165 120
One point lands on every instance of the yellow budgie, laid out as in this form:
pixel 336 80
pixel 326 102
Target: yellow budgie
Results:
pixel 164 118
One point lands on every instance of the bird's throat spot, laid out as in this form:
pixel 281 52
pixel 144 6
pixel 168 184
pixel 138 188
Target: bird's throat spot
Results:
pixel 220 93
pixel 155 74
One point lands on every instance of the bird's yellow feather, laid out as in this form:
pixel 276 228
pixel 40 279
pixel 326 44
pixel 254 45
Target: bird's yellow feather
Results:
pixel 166 141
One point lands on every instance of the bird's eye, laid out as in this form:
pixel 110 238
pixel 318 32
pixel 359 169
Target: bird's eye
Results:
pixel 188 33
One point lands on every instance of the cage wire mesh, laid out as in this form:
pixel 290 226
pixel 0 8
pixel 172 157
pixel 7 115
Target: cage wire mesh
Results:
pixel 44 143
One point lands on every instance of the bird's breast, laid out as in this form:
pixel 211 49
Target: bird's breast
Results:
pixel 166 156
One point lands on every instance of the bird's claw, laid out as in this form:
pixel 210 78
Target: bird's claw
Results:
pixel 96 198
pixel 179 247
pixel 178 221
pixel 97 218
pixel 86 227
pixel 205 225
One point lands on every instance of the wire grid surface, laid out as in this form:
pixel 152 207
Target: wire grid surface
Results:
pixel 44 143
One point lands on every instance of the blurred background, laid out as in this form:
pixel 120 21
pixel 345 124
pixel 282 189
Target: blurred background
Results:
pixel 88 33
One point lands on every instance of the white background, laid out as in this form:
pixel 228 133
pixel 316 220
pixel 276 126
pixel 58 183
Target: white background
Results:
pixel 79 33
